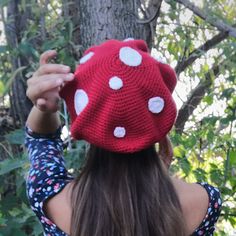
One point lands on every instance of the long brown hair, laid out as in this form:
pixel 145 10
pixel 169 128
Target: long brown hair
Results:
pixel 125 195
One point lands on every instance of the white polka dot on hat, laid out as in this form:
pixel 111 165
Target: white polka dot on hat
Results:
pixel 86 57
pixel 115 83
pixel 130 56
pixel 80 100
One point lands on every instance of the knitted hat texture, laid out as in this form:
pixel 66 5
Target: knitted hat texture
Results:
pixel 121 97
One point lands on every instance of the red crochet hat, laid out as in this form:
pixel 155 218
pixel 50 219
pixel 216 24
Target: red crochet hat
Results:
pixel 121 99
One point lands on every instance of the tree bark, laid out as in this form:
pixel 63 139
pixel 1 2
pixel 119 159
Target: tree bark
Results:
pixel 15 25
pixel 100 20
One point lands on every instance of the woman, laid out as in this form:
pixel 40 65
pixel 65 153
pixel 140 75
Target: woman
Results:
pixel 119 100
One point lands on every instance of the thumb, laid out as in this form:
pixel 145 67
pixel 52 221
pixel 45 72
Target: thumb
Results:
pixel 50 104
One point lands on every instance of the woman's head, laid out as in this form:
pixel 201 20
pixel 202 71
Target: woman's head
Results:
pixel 121 99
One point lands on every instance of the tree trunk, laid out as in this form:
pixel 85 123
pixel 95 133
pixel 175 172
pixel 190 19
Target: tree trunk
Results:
pixel 100 20
pixel 15 25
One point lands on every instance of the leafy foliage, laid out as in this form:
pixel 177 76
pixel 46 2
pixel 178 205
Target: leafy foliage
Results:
pixel 16 217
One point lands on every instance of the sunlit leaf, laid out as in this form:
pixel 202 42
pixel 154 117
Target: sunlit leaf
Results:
pixel 13 76
pixel 232 157
pixel 2 88
pixel 179 151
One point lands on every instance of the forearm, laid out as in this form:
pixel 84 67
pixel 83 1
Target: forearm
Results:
pixel 43 122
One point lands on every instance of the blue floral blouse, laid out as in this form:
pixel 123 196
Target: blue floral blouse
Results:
pixel 48 176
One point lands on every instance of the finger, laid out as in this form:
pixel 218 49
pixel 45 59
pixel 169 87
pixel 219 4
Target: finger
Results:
pixel 47 85
pixel 46 56
pixel 53 68
pixel 49 77
pixel 36 91
pixel 34 81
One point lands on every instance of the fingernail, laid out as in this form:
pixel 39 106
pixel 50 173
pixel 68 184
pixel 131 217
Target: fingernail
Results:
pixel 70 76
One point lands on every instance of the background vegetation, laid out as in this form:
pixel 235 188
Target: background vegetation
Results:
pixel 198 38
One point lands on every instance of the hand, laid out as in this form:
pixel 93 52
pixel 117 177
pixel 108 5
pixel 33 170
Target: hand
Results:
pixel 166 151
pixel 44 86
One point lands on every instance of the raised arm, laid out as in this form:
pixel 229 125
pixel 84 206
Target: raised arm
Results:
pixel 43 91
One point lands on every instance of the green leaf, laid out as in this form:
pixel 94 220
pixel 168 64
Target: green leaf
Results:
pixel 190 141
pixel 15 137
pixel 54 44
pixel 210 120
pixel 232 157
pixel 68 30
pixel 179 151
pixel 200 175
pixel 216 176
pixel 10 81
pixel 232 220
pixel 2 88
pixel 208 99
pixel 37 229
pixel 9 165
pixel 3 49
pixel 185 165
pixel 3 3
pixel 231 78
pixel 210 136
pixel 26 49
pixel 225 121
pixel 65 58
pixel 227 93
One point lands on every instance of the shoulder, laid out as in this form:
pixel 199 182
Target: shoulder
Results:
pixel 196 200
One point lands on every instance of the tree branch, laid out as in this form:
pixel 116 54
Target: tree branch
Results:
pixel 198 93
pixel 219 24
pixel 42 20
pixel 196 53
pixel 194 99
pixel 154 8
pixel 152 18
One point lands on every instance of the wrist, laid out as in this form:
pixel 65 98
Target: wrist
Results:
pixel 43 122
